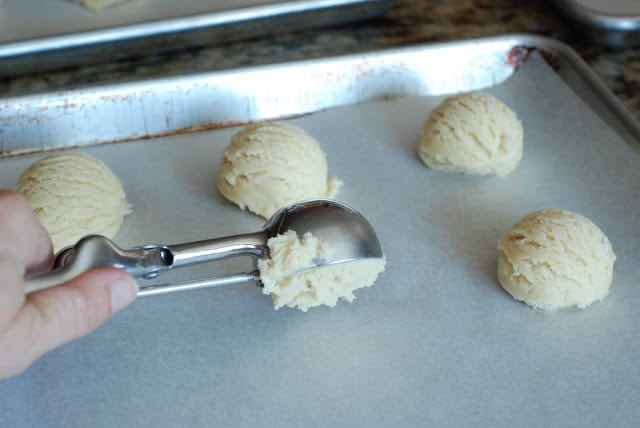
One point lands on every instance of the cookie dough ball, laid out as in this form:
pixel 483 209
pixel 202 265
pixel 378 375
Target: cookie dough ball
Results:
pixel 74 195
pixel 271 165
pixel 555 258
pixel 292 279
pixel 472 133
pixel 97 5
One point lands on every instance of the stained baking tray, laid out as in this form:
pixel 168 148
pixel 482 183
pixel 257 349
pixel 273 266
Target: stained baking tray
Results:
pixel 612 22
pixel 62 34
pixel 435 341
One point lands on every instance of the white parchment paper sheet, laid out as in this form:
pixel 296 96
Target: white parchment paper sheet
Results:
pixel 435 341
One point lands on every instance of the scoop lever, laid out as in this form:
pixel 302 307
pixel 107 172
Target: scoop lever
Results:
pixel 95 251
pixel 348 233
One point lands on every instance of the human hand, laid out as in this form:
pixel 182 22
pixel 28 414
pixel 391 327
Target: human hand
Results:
pixel 33 325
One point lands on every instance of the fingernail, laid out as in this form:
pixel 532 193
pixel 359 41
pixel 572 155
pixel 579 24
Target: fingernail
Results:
pixel 123 292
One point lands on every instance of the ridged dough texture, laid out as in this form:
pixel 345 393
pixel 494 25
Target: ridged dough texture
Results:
pixel 292 279
pixel 74 195
pixel 271 165
pixel 472 133
pixel 554 258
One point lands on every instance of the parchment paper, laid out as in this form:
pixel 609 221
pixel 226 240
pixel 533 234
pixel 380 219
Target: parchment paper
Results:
pixel 435 341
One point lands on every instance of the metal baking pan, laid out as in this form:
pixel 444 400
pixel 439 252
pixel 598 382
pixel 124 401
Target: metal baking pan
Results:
pixel 435 341
pixel 612 22
pixel 162 106
pixel 63 34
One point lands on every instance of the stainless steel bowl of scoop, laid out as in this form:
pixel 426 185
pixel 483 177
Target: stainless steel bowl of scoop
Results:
pixel 345 230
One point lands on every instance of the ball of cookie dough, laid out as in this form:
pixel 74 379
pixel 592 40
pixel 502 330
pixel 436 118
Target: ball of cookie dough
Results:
pixel 555 258
pixel 291 276
pixel 74 195
pixel 472 133
pixel 98 5
pixel 271 165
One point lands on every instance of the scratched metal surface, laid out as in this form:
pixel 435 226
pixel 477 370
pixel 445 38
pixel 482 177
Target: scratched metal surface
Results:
pixel 122 112
pixel 63 34
pixel 622 15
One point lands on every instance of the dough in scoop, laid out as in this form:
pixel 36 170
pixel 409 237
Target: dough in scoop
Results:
pixel 289 275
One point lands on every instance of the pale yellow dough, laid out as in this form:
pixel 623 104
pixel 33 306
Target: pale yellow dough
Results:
pixel 289 275
pixel 74 195
pixel 271 165
pixel 472 133
pixel 97 5
pixel 554 258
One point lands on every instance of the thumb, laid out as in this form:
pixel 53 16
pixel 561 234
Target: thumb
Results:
pixel 57 315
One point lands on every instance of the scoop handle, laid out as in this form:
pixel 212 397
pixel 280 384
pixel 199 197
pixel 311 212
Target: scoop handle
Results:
pixel 238 278
pixel 218 248
pixel 143 262
pixel 95 251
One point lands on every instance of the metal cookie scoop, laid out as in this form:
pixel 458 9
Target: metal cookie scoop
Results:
pixel 343 229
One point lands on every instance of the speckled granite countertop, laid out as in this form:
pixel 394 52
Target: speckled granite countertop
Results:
pixel 407 22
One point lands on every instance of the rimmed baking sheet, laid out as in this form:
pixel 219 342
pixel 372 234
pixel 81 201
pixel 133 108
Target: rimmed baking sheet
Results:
pixel 63 34
pixel 613 23
pixel 620 15
pixel 435 341
pixel 163 106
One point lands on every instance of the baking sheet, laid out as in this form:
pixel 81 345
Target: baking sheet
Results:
pixel 434 342
pixel 614 14
pixel 610 7
pixel 147 109
pixel 610 22
pixel 63 34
